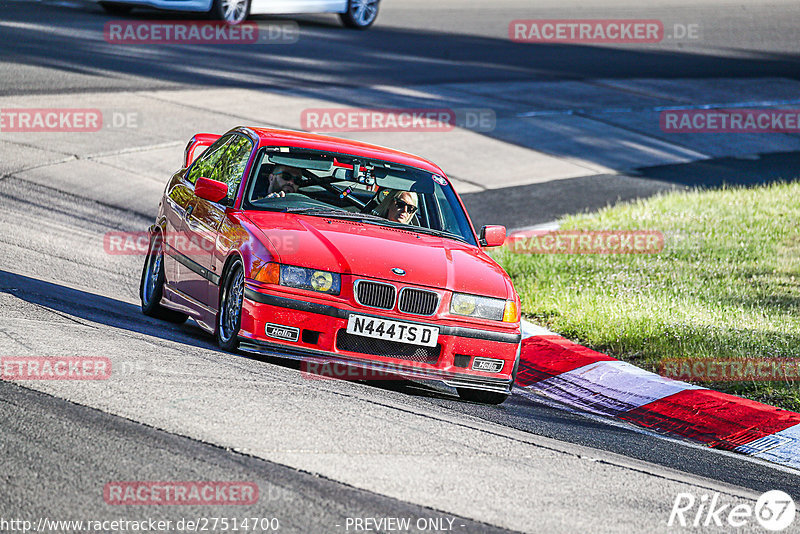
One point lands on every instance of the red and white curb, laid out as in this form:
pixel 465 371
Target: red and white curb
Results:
pixel 573 375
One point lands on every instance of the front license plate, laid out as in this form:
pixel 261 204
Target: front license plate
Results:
pixel 413 334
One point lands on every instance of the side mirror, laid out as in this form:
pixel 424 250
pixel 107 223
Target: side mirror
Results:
pixel 214 191
pixel 493 236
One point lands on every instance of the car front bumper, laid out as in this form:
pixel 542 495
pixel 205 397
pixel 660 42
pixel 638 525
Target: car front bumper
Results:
pixel 317 327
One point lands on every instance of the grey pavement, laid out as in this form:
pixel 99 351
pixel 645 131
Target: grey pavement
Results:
pixel 576 129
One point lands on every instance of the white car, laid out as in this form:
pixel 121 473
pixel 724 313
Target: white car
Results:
pixel 359 14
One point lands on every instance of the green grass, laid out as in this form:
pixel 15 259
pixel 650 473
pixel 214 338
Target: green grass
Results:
pixel 725 286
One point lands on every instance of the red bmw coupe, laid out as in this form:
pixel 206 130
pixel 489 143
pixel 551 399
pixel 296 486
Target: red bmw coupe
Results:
pixel 334 252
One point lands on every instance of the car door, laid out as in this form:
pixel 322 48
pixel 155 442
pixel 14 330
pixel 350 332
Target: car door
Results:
pixel 203 220
pixel 185 269
pixel 177 200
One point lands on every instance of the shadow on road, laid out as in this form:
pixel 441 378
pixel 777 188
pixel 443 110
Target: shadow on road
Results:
pixel 328 60
pixel 327 53
pixel 534 204
pixel 711 173
pixel 78 304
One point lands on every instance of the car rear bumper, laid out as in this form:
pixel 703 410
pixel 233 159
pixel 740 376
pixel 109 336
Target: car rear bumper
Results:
pixel 317 334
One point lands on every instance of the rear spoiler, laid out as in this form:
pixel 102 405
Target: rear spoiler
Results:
pixel 197 145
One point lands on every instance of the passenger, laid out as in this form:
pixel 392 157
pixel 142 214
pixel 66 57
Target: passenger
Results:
pixel 399 206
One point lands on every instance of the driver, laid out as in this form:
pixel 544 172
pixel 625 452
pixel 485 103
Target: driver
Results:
pixel 284 180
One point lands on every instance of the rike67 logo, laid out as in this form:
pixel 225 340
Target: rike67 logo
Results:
pixel 774 511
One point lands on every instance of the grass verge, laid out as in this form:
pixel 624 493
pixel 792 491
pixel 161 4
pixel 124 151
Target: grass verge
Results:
pixel 726 286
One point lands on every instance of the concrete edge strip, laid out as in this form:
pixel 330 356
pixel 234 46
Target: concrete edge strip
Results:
pixel 578 377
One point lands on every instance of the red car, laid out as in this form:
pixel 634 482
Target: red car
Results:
pixel 333 252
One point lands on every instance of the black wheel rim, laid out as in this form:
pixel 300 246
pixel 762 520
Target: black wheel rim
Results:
pixel 234 11
pixel 231 309
pixel 363 11
pixel 152 272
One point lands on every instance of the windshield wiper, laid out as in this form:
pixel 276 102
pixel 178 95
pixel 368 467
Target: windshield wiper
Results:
pixel 265 208
pixel 332 212
pixel 305 210
pixel 431 231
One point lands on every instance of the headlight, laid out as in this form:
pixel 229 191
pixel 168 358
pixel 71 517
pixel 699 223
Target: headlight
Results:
pixel 475 306
pixel 312 279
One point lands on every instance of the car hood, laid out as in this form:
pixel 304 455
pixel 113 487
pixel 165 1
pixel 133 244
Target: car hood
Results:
pixel 352 247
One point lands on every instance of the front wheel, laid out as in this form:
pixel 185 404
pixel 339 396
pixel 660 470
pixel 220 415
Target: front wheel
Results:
pixel 231 11
pixel 482 397
pixel 229 318
pixel 360 14
pixel 151 288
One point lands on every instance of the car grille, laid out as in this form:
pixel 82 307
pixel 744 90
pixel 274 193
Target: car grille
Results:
pixel 375 294
pixel 390 349
pixel 418 302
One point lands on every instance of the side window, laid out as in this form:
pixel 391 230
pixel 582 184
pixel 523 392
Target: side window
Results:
pixel 206 164
pixel 230 167
pixel 452 221
pixel 445 213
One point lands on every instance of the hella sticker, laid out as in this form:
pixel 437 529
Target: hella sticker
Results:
pixel 286 333
pixel 487 365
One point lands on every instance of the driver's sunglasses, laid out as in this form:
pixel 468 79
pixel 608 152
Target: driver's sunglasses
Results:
pixel 298 179
pixel 405 206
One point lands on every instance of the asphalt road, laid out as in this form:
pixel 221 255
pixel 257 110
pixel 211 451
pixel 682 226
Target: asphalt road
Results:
pixel 93 449
pixel 327 450
pixel 58 46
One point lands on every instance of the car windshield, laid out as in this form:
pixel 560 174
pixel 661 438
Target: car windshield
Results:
pixel 349 187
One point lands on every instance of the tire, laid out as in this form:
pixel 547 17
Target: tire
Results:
pixel 151 287
pixel 114 8
pixel 482 397
pixel 360 14
pixel 229 318
pixel 230 11
pixel 516 367
pixel 490 397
